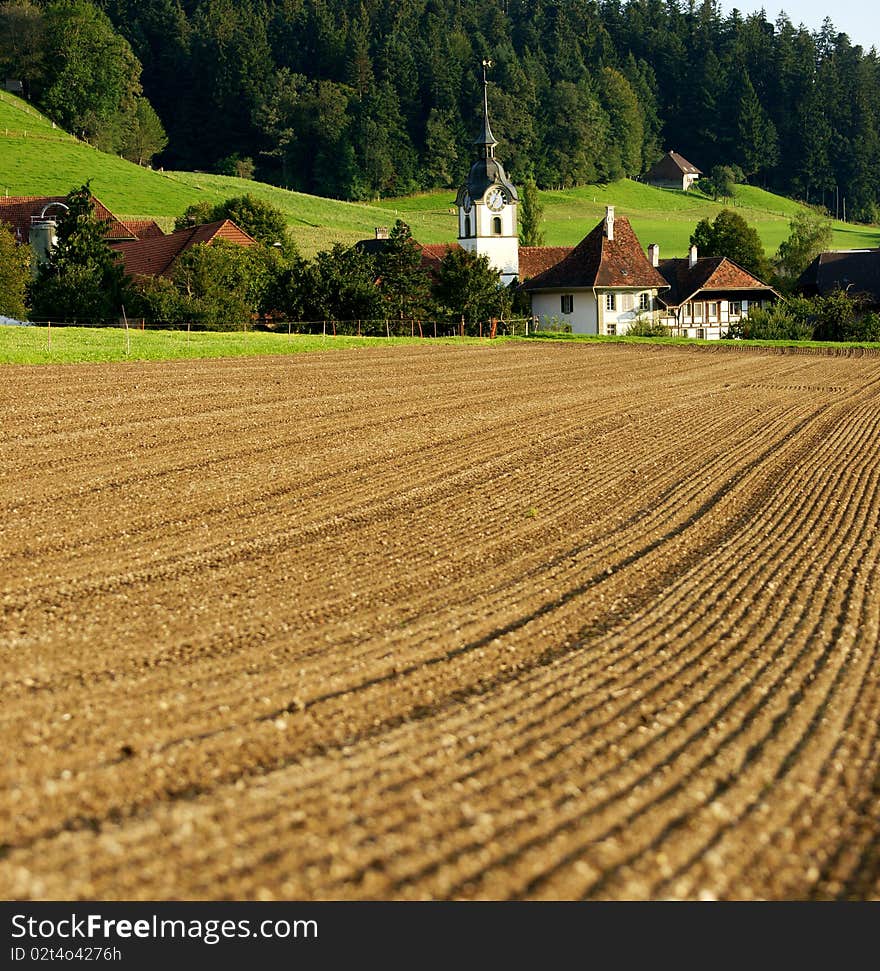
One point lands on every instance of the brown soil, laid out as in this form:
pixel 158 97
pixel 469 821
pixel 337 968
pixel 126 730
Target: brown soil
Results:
pixel 542 621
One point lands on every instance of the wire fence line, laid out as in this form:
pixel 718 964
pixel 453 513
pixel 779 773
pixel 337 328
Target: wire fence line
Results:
pixel 376 327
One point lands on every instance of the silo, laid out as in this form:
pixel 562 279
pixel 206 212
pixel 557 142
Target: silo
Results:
pixel 43 239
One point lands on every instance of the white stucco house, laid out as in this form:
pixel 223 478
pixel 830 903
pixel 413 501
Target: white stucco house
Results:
pixel 602 285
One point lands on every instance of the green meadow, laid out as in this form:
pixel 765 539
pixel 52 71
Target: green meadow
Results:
pixel 38 159
pixel 80 345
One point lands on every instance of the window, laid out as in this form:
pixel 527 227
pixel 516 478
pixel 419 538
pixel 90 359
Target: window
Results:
pixel 644 301
pixel 626 302
pixel 736 308
pixel 698 311
pixel 701 333
pixel 713 311
pixel 611 330
pixel 610 302
pixel 467 226
pixel 496 225
pixel 568 303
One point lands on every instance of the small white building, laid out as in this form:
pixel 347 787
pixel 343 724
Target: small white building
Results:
pixel 673 171
pixel 601 286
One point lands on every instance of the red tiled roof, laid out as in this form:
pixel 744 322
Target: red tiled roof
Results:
pixel 434 252
pixel 144 228
pixel 536 259
pixel 155 256
pixel 16 211
pixel 601 262
pixel 715 274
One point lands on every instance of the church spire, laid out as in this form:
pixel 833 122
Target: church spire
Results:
pixel 486 139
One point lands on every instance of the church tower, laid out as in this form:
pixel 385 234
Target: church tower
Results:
pixel 487 204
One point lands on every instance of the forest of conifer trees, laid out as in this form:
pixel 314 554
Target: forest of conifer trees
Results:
pixel 359 98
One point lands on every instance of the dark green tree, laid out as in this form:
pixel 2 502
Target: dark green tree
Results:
pixel 467 286
pixel 720 183
pixel 143 136
pixel 756 142
pixel 82 279
pixel 92 75
pixel 338 284
pixel 258 218
pixel 15 275
pixel 23 44
pixel 731 236
pixel 531 214
pixel 403 281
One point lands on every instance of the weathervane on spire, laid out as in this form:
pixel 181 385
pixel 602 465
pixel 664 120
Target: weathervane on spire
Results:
pixel 486 138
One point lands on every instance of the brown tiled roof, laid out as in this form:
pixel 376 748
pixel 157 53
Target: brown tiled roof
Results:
pixel 536 259
pixel 16 211
pixel 597 261
pixel 672 166
pixel 857 272
pixel 710 274
pixel 156 256
pixel 144 228
pixel 434 252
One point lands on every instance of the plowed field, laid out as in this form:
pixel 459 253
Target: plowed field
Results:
pixel 529 621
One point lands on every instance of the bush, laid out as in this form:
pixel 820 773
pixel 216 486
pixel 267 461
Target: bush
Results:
pixel 647 327
pixel 778 323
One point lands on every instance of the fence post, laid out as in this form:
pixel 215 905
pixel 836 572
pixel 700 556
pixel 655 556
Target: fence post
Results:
pixel 435 327
pixel 49 335
pixel 387 328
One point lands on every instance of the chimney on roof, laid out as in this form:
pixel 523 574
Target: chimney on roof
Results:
pixel 381 232
pixel 654 254
pixel 692 257
pixel 609 222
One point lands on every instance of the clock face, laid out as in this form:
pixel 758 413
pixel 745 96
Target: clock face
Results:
pixel 495 200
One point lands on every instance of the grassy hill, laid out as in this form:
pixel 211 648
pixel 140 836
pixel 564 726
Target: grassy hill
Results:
pixel 36 158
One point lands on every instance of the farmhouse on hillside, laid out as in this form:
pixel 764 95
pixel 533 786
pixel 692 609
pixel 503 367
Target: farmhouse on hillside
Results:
pixel 706 294
pixel 602 285
pixel 673 171
pixel 855 272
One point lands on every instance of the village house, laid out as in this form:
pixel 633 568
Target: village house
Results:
pixel 156 255
pixel 707 294
pixel 34 219
pixel 854 272
pixel 144 249
pixel 602 285
pixel 673 171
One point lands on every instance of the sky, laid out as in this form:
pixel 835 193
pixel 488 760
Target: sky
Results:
pixel 860 19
